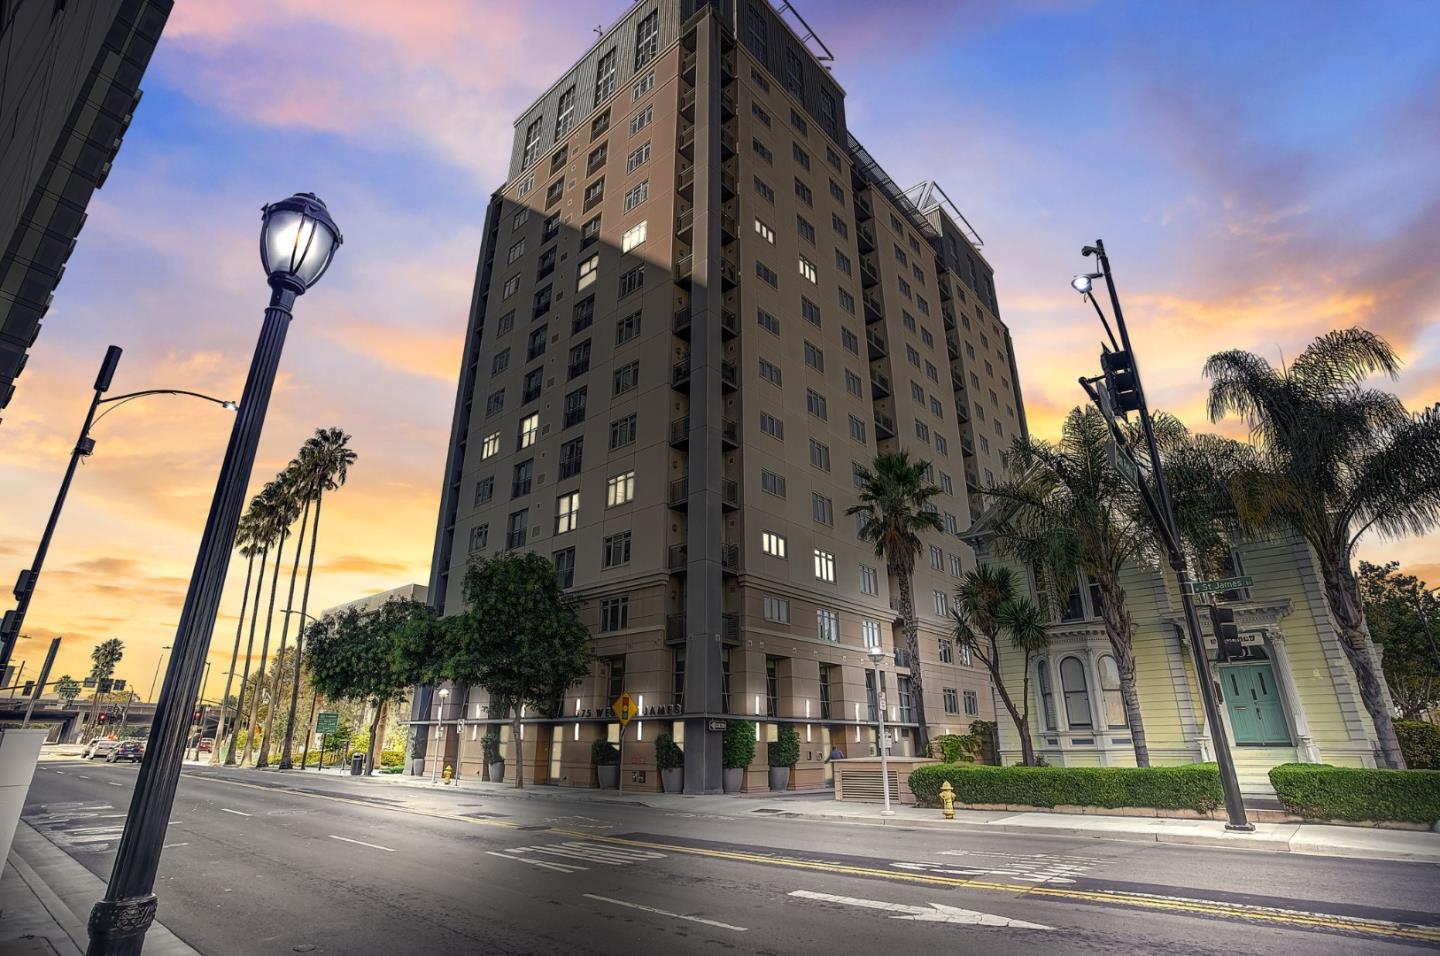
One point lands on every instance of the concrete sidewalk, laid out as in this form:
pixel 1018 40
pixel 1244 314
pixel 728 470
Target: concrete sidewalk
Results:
pixel 1308 838
pixel 45 899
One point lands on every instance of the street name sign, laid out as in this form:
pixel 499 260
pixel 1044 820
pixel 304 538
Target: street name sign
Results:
pixel 1221 584
pixel 623 708
pixel 327 722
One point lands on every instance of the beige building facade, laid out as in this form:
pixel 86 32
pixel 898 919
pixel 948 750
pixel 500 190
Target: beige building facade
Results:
pixel 701 307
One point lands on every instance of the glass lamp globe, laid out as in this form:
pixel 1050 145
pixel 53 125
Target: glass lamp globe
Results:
pixel 297 240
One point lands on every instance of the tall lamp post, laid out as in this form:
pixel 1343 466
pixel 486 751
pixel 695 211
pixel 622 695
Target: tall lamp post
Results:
pixel 84 447
pixel 156 676
pixel 876 656
pixel 444 695
pixel 1121 362
pixel 297 241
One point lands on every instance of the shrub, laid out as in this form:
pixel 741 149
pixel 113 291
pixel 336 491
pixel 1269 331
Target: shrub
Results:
pixel 739 747
pixel 955 748
pixel 1420 743
pixel 785 751
pixel 1189 787
pixel 984 731
pixel 1323 792
pixel 668 755
pixel 604 754
pixel 392 758
pixel 490 747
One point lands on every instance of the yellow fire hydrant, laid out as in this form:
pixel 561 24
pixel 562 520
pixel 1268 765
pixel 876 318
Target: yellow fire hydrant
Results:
pixel 449 772
pixel 947 798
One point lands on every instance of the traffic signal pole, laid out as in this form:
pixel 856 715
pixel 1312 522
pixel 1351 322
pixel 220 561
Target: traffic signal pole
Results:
pixel 1163 511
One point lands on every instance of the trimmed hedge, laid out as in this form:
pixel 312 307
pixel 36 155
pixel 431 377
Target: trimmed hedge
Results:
pixel 1188 787
pixel 1420 743
pixel 1322 792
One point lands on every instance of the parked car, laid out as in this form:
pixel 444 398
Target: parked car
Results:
pixel 131 751
pixel 206 745
pixel 101 747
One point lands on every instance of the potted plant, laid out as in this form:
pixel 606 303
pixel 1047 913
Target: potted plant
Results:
pixel 606 757
pixel 671 761
pixel 783 754
pixel 490 747
pixel 737 753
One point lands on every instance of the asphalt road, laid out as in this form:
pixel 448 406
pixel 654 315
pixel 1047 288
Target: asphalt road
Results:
pixel 255 866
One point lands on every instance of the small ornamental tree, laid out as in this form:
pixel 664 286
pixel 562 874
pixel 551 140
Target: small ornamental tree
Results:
pixel 739 744
pixel 67 689
pixel 785 751
pixel 520 638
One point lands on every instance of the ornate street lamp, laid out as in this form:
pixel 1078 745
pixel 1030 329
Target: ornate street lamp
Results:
pixel 297 241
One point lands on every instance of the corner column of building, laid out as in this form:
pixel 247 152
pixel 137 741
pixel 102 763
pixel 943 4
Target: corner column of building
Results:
pixel 705 530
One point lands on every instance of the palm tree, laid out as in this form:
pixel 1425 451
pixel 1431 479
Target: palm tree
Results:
pixel 298 483
pixel 279 514
pixel 987 605
pixel 1067 511
pixel 257 531
pixel 245 542
pixel 895 509
pixel 326 460
pixel 1336 460
pixel 103 660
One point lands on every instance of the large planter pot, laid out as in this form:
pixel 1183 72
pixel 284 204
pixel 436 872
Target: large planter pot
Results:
pixel 497 771
pixel 779 778
pixel 734 777
pixel 609 776
pixel 673 780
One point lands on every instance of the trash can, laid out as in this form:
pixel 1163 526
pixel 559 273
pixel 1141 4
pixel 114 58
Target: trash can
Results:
pixel 357 764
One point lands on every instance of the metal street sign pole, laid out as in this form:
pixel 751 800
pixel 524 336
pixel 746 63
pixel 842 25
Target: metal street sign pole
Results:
pixel 44 678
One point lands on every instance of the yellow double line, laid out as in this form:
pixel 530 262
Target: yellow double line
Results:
pixel 1238 911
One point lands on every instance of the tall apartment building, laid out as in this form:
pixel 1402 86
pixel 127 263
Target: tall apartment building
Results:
pixel 69 84
pixel 700 309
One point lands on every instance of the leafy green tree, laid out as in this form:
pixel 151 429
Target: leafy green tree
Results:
pixel 1404 619
pixel 103 659
pixel 1068 511
pixel 67 689
pixel 897 507
pixel 1336 460
pixel 361 657
pixel 519 638
pixel 989 604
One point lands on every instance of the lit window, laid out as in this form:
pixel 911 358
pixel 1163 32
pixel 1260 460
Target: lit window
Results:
pixel 807 269
pixel 620 489
pixel 588 270
pixel 870 631
pixel 824 566
pixel 529 429
pixel 491 446
pixel 762 230
pixel 633 236
pixel 772 544
pixel 567 512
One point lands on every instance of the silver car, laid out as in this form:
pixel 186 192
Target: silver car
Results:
pixel 101 747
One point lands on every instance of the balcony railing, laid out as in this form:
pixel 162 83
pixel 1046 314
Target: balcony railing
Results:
pixel 685 222
pixel 729 493
pixel 884 426
pixel 729 375
pixel 680 493
pixel 879 384
pixel 680 431
pixel 876 342
pixel 680 373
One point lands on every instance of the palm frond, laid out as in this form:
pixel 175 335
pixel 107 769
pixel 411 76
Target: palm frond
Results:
pixel 1343 357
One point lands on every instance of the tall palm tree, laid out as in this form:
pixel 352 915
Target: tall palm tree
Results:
pixel 298 482
pixel 280 513
pixel 1067 512
pixel 895 508
pixel 326 460
pixel 988 605
pixel 257 530
pixel 244 541
pixel 103 659
pixel 1337 460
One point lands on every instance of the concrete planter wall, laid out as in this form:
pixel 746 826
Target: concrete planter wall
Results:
pixel 609 776
pixel 734 777
pixel 673 780
pixel 779 778
pixel 497 771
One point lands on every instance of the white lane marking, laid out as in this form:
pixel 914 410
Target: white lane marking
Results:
pixel 933 913
pixel 83 776
pixel 114 784
pixel 659 912
pixel 236 812
pixel 169 845
pixel 557 867
pixel 59 771
pixel 373 846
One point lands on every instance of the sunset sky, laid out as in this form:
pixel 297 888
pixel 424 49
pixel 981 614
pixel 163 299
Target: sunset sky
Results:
pixel 1260 173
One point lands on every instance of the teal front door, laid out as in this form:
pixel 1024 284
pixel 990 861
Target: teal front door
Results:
pixel 1256 714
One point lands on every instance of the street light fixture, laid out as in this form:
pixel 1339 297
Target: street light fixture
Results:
pixel 444 694
pixel 298 239
pixel 876 656
pixel 1082 282
pixel 156 676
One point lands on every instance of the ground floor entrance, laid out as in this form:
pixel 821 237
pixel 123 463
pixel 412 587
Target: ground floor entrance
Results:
pixel 1257 713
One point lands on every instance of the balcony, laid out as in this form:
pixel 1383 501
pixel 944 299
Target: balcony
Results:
pixel 728 232
pixel 684 224
pixel 680 494
pixel 727 66
pixel 729 325
pixel 729 493
pixel 677 561
pixel 884 426
pixel 675 629
pixel 683 267
pixel 967 447
pixel 727 104
pixel 952 347
pixel 569 467
pixel 687 103
pixel 679 432
pixel 729 375
pixel 948 317
pixel 685 145
pixel 680 375
pixel 865 237
pixel 729 432
pixel 874 308
pixel 685 182
pixel 879 384
pixel 869 278
pixel 729 275
pixel 876 343
pixel 681 324
pixel 727 144
pixel 863 210
pixel 687 67
pixel 728 186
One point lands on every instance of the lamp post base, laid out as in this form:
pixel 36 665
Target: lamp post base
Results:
pixel 887 813
pixel 117 927
pixel 1240 828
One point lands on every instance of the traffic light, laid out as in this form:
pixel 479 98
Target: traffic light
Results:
pixel 28 689
pixel 1227 634
pixel 103 719
pixel 1121 381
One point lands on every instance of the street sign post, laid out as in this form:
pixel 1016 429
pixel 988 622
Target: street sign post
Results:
pixel 1122 462
pixel 624 711
pixel 327 722
pixel 1222 584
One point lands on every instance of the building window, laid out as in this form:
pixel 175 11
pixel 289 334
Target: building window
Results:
pixel 772 686
pixel 617 549
pixel 814 357
pixel 857 429
pixel 755 29
pixel 972 704
pixel 507 322
pixel 855 387
pixel 815 404
pixel 847 302
pixel 479 537
pixel 584 315
pixel 1047 693
pixel 776 609
pixel 842 262
pixel 767 274
pixel 589 232
pixel 626 378
pixel 825 691
pixel 764 232
pixel 565 114
pixel 952 700
pixel 850 341
pixel 571 454
pixel 1077 694
pixel 1110 690
pixel 819 455
pixel 772 426
pixel 622 432
pixel 644 85
pixel 605 77
pixel 770 372
pixel 902 690
pixel 798 121
pixel 771 483
pixel 807 231
pixel 575 407
pixel 772 544
pixel 491 446
pixel 647 43
pixel 620 489
pixel 937 558
pixel 567 512
pixel 794 75
pixel 870 632
pixel 869 580
pixel 594 193
pixel 484 490
pixel 614 614
pixel 677 676
pixel 615 684
pixel 802 192
pixel 942 605
pixel 517 250
pixel 587 272
pixel 632 281
pixel 824 566
pixel 956 568
pixel 532 144
pixel 822 509
pixel 947 651
pixel 516 529
pixel 641 119
pixel 837 192
pixel 763 188
pixel 627 328
pixel 759 113
pixel 827 625
pixel 495 403
pixel 535 345
pixel 633 236
pixel 523 478
pixel 564 567
pixel 511 285
pixel 762 151
pixel 807 269
pixel 637 194
pixel 767 321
